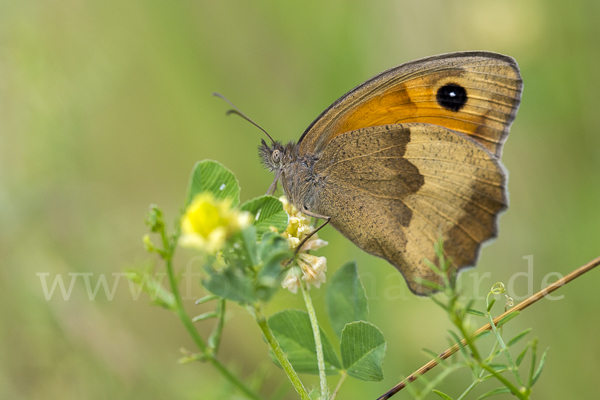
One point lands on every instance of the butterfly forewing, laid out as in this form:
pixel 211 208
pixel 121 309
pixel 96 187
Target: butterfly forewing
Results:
pixel 476 93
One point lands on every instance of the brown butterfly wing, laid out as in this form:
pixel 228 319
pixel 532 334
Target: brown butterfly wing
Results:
pixel 393 190
pixel 476 93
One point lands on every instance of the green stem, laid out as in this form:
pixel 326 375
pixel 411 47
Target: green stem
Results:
pixel 514 390
pixel 512 366
pixel 169 250
pixel 458 322
pixel 339 385
pixel 319 346
pixel 279 354
pixel 481 374
pixel 179 310
pixel 467 390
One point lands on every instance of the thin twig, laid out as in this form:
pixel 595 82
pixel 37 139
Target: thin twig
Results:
pixel 519 307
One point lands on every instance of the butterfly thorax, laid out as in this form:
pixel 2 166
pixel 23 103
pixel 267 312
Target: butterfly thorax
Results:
pixel 296 172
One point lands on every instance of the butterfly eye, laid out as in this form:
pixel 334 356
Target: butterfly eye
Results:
pixel 276 156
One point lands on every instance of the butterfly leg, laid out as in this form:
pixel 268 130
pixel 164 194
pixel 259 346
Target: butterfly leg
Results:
pixel 273 186
pixel 311 214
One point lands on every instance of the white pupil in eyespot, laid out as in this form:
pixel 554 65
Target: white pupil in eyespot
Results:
pixel 452 94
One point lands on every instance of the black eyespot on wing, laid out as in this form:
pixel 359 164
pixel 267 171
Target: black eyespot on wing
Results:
pixel 452 96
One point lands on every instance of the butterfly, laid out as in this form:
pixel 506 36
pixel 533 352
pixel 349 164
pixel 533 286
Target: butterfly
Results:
pixel 407 157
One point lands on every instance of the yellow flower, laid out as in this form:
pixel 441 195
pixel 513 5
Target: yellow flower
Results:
pixel 312 268
pixel 208 223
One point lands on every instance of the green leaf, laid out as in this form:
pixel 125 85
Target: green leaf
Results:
pixel 273 250
pixel 268 212
pixel 346 298
pixel 231 283
pixel 482 334
pixel 457 341
pixel 533 362
pixel 248 236
pixel 432 265
pixel 476 312
pixel 436 287
pixel 538 372
pixel 363 348
pixel 212 176
pixel 270 242
pixel 252 272
pixel 522 355
pixel 507 318
pixel 442 395
pixel 498 367
pixel 491 304
pixel 206 299
pixel 153 287
pixel 518 337
pixel 434 356
pixel 494 392
pixel 315 394
pixel 293 332
pixel 205 316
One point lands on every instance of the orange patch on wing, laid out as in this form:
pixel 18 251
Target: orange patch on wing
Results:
pixel 415 101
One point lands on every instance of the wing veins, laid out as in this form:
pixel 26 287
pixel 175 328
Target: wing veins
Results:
pixel 359 156
pixel 478 179
pixel 398 105
pixel 449 162
pixel 463 186
pixel 459 196
pixel 447 218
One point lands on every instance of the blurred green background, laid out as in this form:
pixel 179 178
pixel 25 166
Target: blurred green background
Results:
pixel 106 105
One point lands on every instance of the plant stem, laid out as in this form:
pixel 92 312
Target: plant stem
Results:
pixel 459 324
pixel 319 346
pixel 169 250
pixel 514 390
pixel 467 390
pixel 179 310
pixel 519 307
pixel 339 385
pixel 481 374
pixel 499 340
pixel 279 354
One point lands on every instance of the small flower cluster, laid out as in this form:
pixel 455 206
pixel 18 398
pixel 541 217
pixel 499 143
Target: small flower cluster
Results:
pixel 312 268
pixel 209 222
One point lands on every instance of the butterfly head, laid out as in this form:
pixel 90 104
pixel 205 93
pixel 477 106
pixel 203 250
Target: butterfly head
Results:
pixel 276 156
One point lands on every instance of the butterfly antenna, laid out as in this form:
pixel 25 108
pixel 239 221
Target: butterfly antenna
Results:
pixel 238 112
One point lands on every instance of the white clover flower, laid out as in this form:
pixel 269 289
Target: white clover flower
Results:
pixel 313 268
pixel 291 281
pixel 298 227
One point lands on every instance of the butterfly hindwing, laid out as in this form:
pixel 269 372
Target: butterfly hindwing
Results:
pixel 394 189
